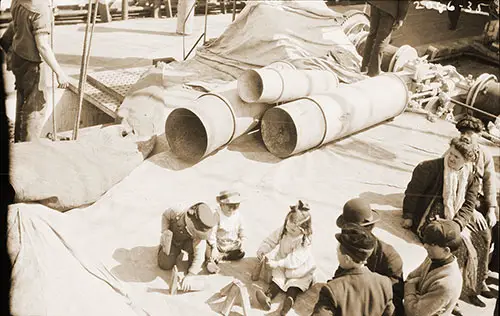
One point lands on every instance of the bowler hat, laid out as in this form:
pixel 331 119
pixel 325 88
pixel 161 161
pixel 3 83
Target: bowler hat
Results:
pixel 356 242
pixel 229 197
pixel 357 211
pixel 203 218
pixel 443 233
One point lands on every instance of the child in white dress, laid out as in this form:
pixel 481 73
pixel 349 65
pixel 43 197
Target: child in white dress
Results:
pixel 292 264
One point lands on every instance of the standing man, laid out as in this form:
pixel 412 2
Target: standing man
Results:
pixel 27 42
pixel 385 17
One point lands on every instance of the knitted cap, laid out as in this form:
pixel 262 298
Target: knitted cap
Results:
pixel 356 241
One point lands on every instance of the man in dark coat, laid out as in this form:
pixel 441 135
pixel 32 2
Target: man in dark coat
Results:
pixel 355 290
pixel 384 259
pixel 385 16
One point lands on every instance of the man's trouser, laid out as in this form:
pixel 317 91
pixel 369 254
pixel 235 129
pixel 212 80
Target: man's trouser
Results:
pixel 381 24
pixel 31 102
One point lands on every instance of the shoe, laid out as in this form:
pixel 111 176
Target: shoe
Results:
pixel 263 299
pixel 234 255
pixel 456 311
pixel 486 292
pixel 474 300
pixel 212 267
pixel 287 305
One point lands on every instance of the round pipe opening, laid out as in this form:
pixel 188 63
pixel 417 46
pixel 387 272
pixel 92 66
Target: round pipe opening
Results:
pixel 186 135
pixel 250 86
pixel 279 132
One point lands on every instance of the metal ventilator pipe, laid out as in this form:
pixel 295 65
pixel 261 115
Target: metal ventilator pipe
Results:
pixel 271 85
pixel 210 122
pixel 485 95
pixel 313 121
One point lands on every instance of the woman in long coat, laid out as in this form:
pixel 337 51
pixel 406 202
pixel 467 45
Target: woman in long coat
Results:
pixel 447 188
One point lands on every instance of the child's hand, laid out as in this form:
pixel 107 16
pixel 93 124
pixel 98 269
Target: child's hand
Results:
pixel 273 264
pixel 260 255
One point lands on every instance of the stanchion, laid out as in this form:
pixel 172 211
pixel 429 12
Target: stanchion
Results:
pixel 84 65
pixel 54 122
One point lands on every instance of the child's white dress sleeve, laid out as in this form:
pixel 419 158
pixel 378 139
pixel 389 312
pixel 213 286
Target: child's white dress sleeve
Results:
pixel 270 242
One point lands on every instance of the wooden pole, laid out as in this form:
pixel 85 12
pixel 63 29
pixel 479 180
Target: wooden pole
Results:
pixel 124 9
pixel 54 122
pixel 84 65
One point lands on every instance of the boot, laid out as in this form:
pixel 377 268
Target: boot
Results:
pixel 474 300
pixel 287 305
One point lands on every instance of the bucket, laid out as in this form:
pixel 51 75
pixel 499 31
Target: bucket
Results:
pixel 211 121
pixel 183 9
pixel 270 85
pixel 287 129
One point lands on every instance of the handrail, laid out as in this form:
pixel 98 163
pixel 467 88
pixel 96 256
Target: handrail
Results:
pixel 204 34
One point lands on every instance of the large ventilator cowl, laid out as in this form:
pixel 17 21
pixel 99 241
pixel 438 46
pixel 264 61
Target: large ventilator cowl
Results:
pixel 210 122
pixel 316 120
pixel 272 85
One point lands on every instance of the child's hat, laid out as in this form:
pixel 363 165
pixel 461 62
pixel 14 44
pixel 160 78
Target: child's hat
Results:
pixel 357 242
pixel 229 197
pixel 443 233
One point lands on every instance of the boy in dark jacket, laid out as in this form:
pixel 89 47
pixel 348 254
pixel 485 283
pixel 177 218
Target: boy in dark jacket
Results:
pixel 355 290
pixel 384 260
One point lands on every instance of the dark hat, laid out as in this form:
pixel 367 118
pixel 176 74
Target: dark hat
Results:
pixel 357 211
pixel 229 197
pixel 301 206
pixel 356 241
pixel 203 217
pixel 443 233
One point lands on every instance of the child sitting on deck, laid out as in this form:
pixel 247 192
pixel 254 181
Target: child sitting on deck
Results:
pixel 434 287
pixel 228 237
pixel 292 265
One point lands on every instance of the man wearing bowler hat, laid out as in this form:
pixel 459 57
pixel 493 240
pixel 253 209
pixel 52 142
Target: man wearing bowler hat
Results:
pixel 355 290
pixel 384 259
pixel 186 230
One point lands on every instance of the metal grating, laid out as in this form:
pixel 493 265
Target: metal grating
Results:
pixel 105 102
pixel 116 82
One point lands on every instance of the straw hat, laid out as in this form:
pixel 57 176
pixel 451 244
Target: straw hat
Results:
pixel 229 197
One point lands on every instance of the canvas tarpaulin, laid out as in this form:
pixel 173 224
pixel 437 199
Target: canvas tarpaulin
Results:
pixel 68 174
pixel 306 33
pixel 53 275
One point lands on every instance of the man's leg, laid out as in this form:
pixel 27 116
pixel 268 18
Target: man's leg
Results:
pixel 454 15
pixel 374 20
pixel 167 261
pixel 385 25
pixel 31 99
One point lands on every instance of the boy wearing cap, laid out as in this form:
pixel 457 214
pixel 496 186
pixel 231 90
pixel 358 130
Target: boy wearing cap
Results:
pixel 434 287
pixel 186 230
pixel 228 237
pixel 354 289
pixel 384 259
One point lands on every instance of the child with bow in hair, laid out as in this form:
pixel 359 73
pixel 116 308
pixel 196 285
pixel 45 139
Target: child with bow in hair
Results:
pixel 292 264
